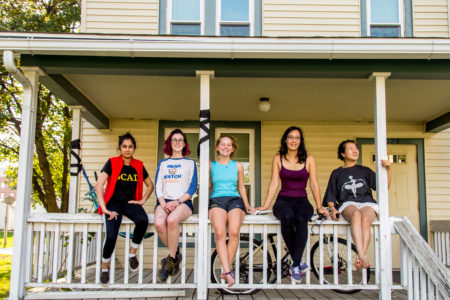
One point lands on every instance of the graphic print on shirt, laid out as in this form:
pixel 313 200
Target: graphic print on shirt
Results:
pixel 173 176
pixel 353 185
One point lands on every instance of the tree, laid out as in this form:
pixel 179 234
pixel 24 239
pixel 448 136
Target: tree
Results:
pixel 53 125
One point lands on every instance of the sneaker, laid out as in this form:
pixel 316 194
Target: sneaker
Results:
pixel 178 259
pixel 178 256
pixel 134 264
pixel 164 273
pixel 303 268
pixel 104 277
pixel 295 274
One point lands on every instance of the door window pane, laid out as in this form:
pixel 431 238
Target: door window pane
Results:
pixel 234 10
pixel 186 10
pixel 384 11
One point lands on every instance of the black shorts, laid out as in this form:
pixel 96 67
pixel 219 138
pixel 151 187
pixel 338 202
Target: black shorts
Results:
pixel 188 203
pixel 227 203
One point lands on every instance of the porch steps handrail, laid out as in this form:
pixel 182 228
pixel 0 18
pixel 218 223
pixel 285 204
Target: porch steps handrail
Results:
pixel 434 268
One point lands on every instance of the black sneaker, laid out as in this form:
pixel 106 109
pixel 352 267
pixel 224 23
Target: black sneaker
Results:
pixel 177 261
pixel 134 264
pixel 168 264
pixel 104 277
pixel 178 256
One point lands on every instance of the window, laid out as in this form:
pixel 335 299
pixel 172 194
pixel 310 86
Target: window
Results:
pixel 211 17
pixel 385 18
pixel 185 17
pixel 233 17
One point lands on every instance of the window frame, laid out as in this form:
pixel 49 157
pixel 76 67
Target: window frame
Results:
pixel 401 18
pixel 250 22
pixel 170 22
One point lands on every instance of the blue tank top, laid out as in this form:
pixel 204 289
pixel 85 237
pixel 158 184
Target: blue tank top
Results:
pixel 224 179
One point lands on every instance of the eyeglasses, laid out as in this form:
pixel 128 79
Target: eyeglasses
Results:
pixel 177 140
pixel 293 138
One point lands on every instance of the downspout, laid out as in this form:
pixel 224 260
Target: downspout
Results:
pixel 10 65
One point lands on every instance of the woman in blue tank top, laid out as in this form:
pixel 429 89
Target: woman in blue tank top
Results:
pixel 228 203
pixel 294 168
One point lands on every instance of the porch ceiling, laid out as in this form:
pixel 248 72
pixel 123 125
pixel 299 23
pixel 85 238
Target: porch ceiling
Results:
pixel 306 99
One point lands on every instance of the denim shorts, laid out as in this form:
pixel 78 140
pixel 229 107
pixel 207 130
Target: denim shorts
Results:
pixel 227 203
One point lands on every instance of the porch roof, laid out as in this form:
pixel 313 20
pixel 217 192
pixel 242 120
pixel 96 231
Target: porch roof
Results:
pixel 312 79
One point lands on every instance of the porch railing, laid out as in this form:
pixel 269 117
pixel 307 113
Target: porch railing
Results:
pixel 422 273
pixel 441 240
pixel 261 265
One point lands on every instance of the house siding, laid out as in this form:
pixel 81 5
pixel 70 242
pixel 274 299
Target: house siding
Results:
pixel 431 18
pixel 120 16
pixel 311 18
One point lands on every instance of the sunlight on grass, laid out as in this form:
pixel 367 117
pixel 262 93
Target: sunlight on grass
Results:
pixel 9 240
pixel 5 272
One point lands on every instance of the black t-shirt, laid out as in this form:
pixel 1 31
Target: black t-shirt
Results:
pixel 350 184
pixel 125 189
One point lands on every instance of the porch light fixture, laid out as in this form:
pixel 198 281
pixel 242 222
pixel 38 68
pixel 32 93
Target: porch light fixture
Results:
pixel 264 104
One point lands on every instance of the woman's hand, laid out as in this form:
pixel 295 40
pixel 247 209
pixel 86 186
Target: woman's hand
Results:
pixel 111 214
pixel 386 163
pixel 171 206
pixel 323 211
pixel 262 208
pixel 334 213
pixel 140 202
pixel 250 209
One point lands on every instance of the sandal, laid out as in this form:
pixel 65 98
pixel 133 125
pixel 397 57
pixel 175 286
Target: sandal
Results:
pixel 230 282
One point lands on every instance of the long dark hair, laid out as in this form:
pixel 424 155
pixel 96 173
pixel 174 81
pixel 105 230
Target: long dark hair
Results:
pixel 168 143
pixel 301 151
pixel 127 136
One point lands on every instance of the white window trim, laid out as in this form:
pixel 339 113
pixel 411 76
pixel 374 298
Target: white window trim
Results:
pixel 250 22
pixel 169 21
pixel 401 18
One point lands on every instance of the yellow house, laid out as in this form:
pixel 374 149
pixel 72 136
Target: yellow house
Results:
pixel 374 71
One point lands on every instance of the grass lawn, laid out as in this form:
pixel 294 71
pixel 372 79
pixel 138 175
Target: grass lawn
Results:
pixel 5 272
pixel 9 240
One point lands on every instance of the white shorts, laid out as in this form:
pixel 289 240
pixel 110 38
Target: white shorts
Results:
pixel 359 205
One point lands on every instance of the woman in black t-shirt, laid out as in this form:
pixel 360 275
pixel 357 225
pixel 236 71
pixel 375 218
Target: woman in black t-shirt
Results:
pixel 124 176
pixel 349 192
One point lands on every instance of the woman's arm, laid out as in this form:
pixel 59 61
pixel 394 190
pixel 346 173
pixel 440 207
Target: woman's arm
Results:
pixel 148 182
pixel 99 191
pixel 387 164
pixel 241 188
pixel 274 182
pixel 314 184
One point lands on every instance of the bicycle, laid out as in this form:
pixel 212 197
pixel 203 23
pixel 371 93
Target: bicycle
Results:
pixel 258 267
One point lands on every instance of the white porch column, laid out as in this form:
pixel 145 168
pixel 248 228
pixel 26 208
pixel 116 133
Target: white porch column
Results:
pixel 74 179
pixel 24 177
pixel 382 185
pixel 202 246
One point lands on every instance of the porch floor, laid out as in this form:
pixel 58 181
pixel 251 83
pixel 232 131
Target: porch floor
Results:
pixel 214 294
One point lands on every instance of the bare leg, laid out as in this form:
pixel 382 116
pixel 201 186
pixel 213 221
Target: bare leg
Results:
pixel 218 217
pixel 180 214
pixel 353 216
pixel 161 224
pixel 368 215
pixel 235 218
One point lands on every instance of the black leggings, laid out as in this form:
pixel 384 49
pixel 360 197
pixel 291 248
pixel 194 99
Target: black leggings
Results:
pixel 135 213
pixel 294 214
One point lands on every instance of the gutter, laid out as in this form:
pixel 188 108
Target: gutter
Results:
pixel 10 65
pixel 225 47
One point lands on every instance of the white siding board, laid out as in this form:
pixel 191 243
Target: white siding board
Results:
pixel 311 18
pixel 431 18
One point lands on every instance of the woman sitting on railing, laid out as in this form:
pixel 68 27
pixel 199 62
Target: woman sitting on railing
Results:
pixel 124 176
pixel 294 167
pixel 176 182
pixel 228 203
pixel 349 192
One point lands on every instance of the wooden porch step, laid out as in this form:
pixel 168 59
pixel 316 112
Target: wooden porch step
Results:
pixel 105 294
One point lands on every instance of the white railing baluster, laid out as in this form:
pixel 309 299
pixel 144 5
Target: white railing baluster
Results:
pixel 423 284
pixel 30 246
pixel 112 268
pixel 335 255
pixel 155 256
pixel 416 279
pixel 376 245
pixel 438 246
pixel 447 248
pixel 265 254
pixel 99 255
pixel 84 253
pixel 308 255
pixel 141 262
pixel 403 264
pixel 444 246
pixel 349 256
pixel 321 254
pixel 55 254
pixel 37 239
pixel 208 253
pixel 237 262
pixel 127 254
pixel 41 252
pixel 430 289
pixel 250 254
pixel 410 276
pixel 183 261
pixel 47 254
pixel 69 261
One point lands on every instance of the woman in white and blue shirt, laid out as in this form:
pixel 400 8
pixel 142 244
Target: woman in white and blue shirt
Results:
pixel 175 184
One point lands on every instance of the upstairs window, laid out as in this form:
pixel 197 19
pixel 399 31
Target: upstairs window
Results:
pixel 233 17
pixel 185 17
pixel 386 18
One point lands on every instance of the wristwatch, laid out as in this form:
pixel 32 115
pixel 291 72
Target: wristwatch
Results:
pixel 179 201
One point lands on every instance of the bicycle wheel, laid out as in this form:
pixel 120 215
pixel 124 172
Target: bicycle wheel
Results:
pixel 244 269
pixel 343 266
